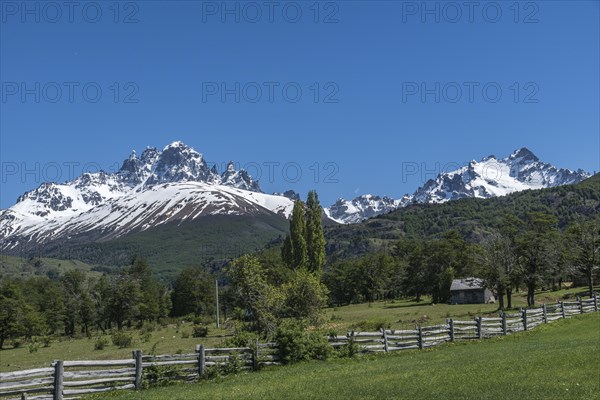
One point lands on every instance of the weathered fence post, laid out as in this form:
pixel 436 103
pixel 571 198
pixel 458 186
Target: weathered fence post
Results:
pixel 562 309
pixel 137 356
pixel 59 370
pixel 451 326
pixel 201 360
pixel 23 396
pixel 595 297
pixel 524 316
pixel 255 357
pixel 544 317
pixel 503 323
pixel 420 337
pixel 580 305
pixel 479 329
pixel 385 341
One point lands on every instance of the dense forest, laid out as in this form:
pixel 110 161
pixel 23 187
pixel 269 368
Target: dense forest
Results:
pixel 474 219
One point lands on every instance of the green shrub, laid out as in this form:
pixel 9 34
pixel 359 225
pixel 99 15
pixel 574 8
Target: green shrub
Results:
pixel 122 339
pixel 242 339
pixel 148 327
pixel 350 349
pixel 233 365
pixel 146 337
pixel 17 343
pixel 295 344
pixel 46 340
pixel 185 334
pixel 100 343
pixel 199 331
pixel 33 347
pixel 160 375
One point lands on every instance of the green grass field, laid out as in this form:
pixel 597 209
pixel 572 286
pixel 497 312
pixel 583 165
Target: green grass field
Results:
pixel 168 340
pixel 555 361
pixel 399 314
pixel 404 314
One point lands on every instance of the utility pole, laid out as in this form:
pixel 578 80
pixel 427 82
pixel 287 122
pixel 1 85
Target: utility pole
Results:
pixel 217 296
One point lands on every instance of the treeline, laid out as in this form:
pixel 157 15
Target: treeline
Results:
pixel 529 253
pixel 77 304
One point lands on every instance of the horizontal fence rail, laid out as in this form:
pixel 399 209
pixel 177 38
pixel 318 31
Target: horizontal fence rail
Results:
pixel 73 379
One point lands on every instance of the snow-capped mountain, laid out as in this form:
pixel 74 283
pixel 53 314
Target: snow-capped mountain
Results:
pixel 171 185
pixel 176 185
pixel 360 208
pixel 487 178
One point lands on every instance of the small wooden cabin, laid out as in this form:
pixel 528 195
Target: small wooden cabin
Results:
pixel 470 291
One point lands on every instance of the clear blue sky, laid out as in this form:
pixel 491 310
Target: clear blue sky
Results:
pixel 370 61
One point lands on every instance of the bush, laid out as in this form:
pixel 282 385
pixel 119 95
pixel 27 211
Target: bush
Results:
pixel 350 349
pixel 100 343
pixel 233 365
pixel 199 331
pixel 185 334
pixel 148 327
pixel 46 340
pixel 33 347
pixel 17 343
pixel 145 338
pixel 160 375
pixel 122 339
pixel 242 339
pixel 295 344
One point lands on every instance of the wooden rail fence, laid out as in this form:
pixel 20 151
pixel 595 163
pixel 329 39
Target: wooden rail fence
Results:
pixel 72 379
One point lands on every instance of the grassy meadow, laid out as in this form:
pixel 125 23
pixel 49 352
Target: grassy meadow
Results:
pixel 404 314
pixel 559 360
pixel 171 339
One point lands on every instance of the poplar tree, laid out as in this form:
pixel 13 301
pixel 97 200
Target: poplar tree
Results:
pixel 315 237
pixel 294 251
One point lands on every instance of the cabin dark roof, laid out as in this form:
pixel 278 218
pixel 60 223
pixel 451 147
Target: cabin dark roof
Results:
pixel 467 284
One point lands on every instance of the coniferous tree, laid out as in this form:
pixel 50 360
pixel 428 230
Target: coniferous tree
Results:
pixel 298 236
pixel 315 237
pixel 287 251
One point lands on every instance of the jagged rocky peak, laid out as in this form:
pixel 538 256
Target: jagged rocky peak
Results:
pixel 524 155
pixel 239 179
pixel 45 199
pixel 178 163
pixel 136 170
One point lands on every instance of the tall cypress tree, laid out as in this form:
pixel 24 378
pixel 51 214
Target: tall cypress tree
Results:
pixel 299 253
pixel 287 251
pixel 315 237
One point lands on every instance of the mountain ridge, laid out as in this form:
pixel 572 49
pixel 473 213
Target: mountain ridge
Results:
pixel 489 177
pixel 175 185
pixel 158 187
